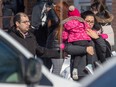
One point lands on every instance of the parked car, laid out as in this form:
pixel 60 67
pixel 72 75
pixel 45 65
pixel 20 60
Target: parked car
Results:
pixel 104 76
pixel 19 68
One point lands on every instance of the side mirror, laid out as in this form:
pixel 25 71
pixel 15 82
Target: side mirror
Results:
pixel 33 71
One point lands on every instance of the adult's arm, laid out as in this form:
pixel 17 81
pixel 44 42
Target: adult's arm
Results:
pixel 97 39
pixel 47 53
pixel 100 41
pixel 100 47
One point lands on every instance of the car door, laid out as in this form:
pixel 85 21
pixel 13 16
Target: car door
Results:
pixel 104 76
pixel 12 65
pixel 15 63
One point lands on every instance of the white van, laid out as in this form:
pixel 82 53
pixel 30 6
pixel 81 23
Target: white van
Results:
pixel 19 68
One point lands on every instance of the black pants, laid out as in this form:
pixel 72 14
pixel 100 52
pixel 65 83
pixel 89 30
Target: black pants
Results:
pixel 77 59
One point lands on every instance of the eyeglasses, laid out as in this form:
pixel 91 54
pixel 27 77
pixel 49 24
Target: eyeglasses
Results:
pixel 25 22
pixel 88 21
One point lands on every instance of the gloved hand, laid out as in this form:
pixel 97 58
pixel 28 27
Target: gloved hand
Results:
pixel 62 46
pixel 104 36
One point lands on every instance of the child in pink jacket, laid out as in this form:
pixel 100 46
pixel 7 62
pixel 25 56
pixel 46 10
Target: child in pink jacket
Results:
pixel 75 33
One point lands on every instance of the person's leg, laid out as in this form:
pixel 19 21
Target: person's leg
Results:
pixel 84 43
pixel 57 66
pixel 74 59
pixel 89 59
pixel 71 69
pixel 47 62
pixel 71 48
pixel 75 65
pixel 89 66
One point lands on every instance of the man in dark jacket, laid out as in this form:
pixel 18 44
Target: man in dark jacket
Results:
pixel 20 31
pixel 43 9
pixel 38 10
pixel 39 20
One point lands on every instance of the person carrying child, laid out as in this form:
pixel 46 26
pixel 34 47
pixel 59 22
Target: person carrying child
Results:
pixel 75 33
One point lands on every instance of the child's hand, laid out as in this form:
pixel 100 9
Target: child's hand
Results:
pixel 90 50
pixel 62 46
pixel 92 34
pixel 104 36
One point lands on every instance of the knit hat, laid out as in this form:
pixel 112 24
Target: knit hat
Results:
pixel 73 11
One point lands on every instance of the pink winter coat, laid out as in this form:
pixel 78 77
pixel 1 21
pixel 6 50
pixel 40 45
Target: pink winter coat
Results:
pixel 75 30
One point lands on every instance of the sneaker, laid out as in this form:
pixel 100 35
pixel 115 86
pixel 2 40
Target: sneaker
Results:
pixel 75 74
pixel 89 69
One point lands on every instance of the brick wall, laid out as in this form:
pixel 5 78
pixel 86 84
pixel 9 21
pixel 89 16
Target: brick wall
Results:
pixel 70 2
pixel 114 21
pixel 29 5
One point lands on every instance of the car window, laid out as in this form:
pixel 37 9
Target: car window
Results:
pixel 10 66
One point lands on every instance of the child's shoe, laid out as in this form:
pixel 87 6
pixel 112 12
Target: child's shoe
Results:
pixel 75 74
pixel 89 68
